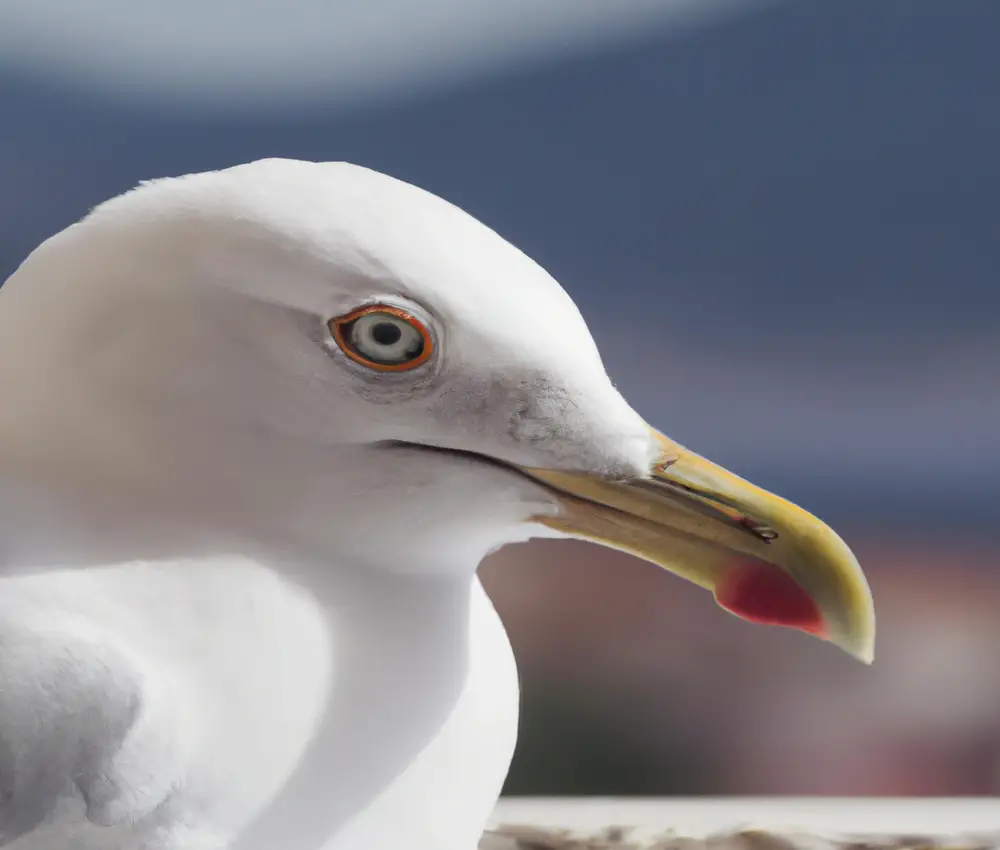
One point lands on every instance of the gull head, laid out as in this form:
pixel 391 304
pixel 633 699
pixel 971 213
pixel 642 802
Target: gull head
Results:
pixel 324 360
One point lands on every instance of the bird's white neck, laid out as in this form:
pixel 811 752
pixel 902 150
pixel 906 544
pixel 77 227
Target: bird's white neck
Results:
pixel 400 661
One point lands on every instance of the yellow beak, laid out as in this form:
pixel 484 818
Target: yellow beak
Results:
pixel 764 558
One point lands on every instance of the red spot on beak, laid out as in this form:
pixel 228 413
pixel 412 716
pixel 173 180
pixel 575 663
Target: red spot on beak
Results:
pixel 763 593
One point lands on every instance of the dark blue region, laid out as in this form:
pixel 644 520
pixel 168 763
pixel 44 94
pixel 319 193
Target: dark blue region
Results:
pixel 821 176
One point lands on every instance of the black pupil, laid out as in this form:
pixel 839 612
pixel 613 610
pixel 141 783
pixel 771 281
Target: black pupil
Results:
pixel 386 333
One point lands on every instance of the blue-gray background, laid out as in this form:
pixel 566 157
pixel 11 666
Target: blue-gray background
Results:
pixel 783 229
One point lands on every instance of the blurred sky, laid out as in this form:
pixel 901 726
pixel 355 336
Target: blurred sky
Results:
pixel 303 51
pixel 780 219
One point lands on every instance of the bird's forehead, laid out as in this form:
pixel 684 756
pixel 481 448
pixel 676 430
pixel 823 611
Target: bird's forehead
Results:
pixel 323 237
pixel 359 222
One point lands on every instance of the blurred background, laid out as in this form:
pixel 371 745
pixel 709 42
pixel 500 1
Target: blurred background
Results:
pixel 782 223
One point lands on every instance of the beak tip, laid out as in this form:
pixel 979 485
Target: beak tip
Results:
pixel 864 654
pixel 860 644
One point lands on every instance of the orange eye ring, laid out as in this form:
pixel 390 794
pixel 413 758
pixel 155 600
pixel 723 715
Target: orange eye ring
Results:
pixel 412 334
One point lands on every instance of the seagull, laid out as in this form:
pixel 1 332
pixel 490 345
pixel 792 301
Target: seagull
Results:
pixel 259 428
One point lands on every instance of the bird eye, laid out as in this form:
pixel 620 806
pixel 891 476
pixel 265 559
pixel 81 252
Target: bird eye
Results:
pixel 383 337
